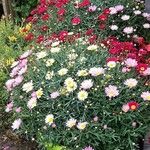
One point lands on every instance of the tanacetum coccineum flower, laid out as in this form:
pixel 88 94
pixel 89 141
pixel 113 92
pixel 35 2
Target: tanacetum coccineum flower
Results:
pixel 111 91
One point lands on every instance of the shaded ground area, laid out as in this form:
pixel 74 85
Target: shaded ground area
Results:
pixel 9 141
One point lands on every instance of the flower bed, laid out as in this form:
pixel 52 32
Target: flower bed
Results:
pixel 82 87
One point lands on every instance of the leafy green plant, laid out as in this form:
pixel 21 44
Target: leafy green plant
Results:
pixel 22 8
pixel 72 97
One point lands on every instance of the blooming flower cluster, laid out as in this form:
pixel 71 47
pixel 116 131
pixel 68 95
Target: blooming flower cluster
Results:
pixel 67 96
pixel 76 89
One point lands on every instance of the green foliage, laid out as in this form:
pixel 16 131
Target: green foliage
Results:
pixel 8 53
pixel 22 8
pixel 113 128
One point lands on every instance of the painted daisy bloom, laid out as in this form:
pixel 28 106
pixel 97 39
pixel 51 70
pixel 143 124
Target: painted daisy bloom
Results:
pixel 146 96
pixel 9 107
pixel 32 103
pixel 55 44
pixel 96 71
pixel 125 17
pixel 87 84
pixel 49 75
pixel 119 7
pixel 111 91
pixel 128 30
pixel 125 108
pixel 49 119
pixel 50 62
pixel 41 55
pixel 113 10
pixel 114 27
pixel 71 123
pixel 55 50
pixel 26 54
pixel 82 125
pixel 137 12
pixel 88 148
pixel 147 72
pixel 16 124
pixel 27 87
pixel 82 73
pixel 131 62
pixel 39 93
pixel 70 84
pixel 92 48
pixel 82 95
pixel 92 8
pixel 146 25
pixel 111 64
pixel 63 71
pixel 131 82
pixel 54 95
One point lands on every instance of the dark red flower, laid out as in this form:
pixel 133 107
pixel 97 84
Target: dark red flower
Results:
pixel 106 11
pixel 133 105
pixel 142 52
pixel 139 40
pixel 102 17
pixel 29 37
pixel 34 20
pixel 76 21
pixel 29 19
pixel 62 35
pixel 41 9
pixel 89 32
pixel 141 67
pixel 44 28
pixel 114 51
pixel 43 2
pixel 112 59
pixel 40 39
pixel 102 26
pixel 147 47
pixel 45 17
pixel 84 3
pixel 33 12
pixel 132 55
pixel 93 39
pixel 61 12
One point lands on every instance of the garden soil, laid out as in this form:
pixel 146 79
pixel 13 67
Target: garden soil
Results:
pixel 10 141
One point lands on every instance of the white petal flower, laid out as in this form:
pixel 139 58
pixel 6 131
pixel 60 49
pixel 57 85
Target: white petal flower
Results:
pixel 131 82
pixel 27 87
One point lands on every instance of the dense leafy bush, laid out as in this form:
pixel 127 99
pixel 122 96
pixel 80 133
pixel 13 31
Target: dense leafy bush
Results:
pixel 22 8
pixel 73 98
pixel 75 88
pixel 94 18
pixel 11 46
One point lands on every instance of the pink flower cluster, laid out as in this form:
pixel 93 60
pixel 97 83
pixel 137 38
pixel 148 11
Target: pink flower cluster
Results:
pixel 18 69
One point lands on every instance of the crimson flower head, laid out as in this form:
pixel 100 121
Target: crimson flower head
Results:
pixel 39 39
pixel 76 21
pixel 102 26
pixel 141 67
pixel 45 17
pixel 102 17
pixel 115 59
pixel 106 11
pixel 84 3
pixel 61 12
pixel 29 37
pixel 147 47
pixel 133 105
pixel 41 9
pixel 89 32
pixel 44 28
